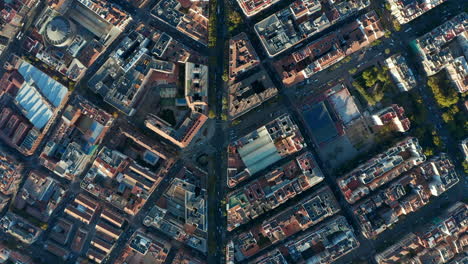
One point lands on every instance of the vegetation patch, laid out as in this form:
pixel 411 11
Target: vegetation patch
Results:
pixel 372 84
pixel 444 94
pixel 456 122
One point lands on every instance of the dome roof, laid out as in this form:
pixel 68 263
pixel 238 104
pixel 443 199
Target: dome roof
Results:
pixel 59 31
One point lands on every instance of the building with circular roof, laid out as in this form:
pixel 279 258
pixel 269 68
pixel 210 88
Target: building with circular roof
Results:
pixel 59 32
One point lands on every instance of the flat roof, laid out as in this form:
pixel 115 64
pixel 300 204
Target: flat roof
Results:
pixel 319 121
pixel 345 106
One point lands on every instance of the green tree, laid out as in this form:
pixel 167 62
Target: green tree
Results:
pixel 225 77
pixel 382 76
pixel 370 77
pixel 388 34
pixel 387 51
pixel 396 25
pixel 428 152
pixel 436 139
pixel 234 18
pixel 211 114
pixel 444 95
pixel 465 166
pixel 224 117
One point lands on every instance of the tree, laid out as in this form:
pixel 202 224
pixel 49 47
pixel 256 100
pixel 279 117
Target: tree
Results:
pixel 211 114
pixel 382 76
pixel 429 152
pixel 44 226
pixel 234 18
pixel 225 77
pixel 396 25
pixel 387 51
pixel 450 114
pixel 388 34
pixel 370 77
pixel 465 166
pixel 444 95
pixel 436 139
pixel 224 117
pixel 370 100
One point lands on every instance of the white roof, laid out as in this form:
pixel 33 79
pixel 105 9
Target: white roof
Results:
pixel 37 110
pixel 259 153
pixel 53 90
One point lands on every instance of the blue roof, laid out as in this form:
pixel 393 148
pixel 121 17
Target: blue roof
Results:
pixel 319 121
pixel 53 90
pixel 96 130
pixel 36 109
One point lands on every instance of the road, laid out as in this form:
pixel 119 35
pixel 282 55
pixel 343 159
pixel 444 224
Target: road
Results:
pixel 216 176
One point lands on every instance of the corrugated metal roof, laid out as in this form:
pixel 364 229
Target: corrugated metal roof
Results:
pixel 53 90
pixel 260 153
pixel 37 110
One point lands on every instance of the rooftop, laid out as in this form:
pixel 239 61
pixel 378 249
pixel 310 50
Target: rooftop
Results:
pixel 20 228
pixel 308 212
pixel 76 137
pixel 405 195
pixel 181 214
pixel 408 10
pixel 301 20
pixel 242 55
pixel 39 196
pixel 263 147
pixel 183 133
pixel 250 93
pixel 400 72
pixel 432 46
pixel 329 49
pixel 144 248
pixel 271 190
pixel 449 229
pixel 121 181
pixel 124 77
pixel 392 117
pixel 188 17
pixel 325 243
pixel 381 169
pixel 253 7
pixel 10 175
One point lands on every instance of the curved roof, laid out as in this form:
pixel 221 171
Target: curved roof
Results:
pixel 59 31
